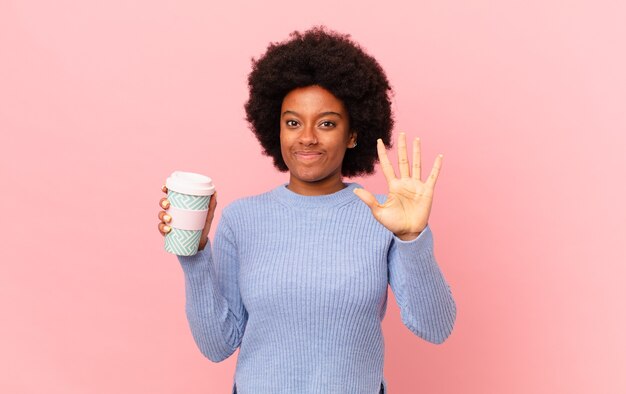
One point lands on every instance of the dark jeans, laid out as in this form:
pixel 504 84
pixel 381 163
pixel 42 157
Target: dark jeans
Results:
pixel 382 389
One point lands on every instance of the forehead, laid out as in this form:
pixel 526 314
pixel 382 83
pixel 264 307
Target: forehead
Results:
pixel 311 99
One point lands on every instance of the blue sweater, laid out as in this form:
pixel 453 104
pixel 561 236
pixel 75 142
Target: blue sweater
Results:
pixel 299 284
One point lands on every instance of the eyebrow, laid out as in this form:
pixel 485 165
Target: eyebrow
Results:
pixel 321 114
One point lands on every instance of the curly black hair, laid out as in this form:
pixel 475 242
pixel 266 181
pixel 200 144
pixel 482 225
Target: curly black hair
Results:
pixel 336 63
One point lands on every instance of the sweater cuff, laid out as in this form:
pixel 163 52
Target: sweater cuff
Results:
pixel 420 243
pixel 191 264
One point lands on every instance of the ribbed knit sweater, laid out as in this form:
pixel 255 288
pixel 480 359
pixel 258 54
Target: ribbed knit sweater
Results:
pixel 299 284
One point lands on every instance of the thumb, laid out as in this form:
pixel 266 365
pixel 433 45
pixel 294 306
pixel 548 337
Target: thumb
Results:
pixel 210 215
pixel 368 198
pixel 212 204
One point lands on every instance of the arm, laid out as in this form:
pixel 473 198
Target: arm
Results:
pixel 216 314
pixel 426 304
pixel 427 307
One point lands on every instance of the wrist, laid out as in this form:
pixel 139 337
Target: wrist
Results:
pixel 408 236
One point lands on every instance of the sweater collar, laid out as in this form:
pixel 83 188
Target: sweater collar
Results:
pixel 290 198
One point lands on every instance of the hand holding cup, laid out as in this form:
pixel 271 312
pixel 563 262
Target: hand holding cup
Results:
pixel 188 212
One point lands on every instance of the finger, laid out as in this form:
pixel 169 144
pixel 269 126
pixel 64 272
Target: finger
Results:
pixel 434 173
pixel 164 189
pixel 368 198
pixel 417 160
pixel 164 203
pixel 384 161
pixel 164 229
pixel 403 160
pixel 164 217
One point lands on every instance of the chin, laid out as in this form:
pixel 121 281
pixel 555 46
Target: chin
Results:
pixel 308 176
pixel 309 179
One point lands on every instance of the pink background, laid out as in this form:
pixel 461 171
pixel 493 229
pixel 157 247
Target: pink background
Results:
pixel 101 100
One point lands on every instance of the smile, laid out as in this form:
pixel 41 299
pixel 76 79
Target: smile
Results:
pixel 308 156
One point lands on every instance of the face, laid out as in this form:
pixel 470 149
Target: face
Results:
pixel 314 135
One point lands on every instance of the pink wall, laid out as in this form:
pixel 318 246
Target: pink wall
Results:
pixel 100 101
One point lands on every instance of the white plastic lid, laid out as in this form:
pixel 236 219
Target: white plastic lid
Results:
pixel 190 183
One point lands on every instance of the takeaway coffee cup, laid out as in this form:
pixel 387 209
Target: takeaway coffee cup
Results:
pixel 189 194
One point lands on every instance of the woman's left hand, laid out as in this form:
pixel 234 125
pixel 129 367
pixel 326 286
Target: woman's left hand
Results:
pixel 406 211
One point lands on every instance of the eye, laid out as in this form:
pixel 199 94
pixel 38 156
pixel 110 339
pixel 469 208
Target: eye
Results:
pixel 291 123
pixel 327 124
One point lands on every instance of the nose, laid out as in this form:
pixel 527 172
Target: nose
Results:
pixel 308 136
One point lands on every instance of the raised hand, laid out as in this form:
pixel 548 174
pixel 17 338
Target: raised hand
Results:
pixel 406 211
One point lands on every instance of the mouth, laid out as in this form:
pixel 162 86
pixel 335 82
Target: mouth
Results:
pixel 308 156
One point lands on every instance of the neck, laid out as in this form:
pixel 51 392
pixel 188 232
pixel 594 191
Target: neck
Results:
pixel 318 188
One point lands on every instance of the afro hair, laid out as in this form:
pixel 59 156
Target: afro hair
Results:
pixel 336 63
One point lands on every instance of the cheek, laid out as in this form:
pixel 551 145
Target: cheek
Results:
pixel 283 142
pixel 284 146
pixel 340 147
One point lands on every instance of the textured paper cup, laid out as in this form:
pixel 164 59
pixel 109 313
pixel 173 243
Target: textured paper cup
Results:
pixel 189 194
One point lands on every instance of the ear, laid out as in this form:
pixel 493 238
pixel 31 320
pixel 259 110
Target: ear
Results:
pixel 352 140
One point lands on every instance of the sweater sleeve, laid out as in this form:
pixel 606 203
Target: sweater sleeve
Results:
pixel 215 312
pixel 427 307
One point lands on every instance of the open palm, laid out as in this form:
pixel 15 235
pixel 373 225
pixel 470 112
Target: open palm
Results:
pixel 408 204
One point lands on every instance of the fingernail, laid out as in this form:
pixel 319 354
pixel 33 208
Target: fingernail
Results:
pixel 167 218
pixel 167 229
pixel 165 204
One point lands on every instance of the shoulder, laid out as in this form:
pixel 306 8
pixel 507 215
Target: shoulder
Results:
pixel 250 213
pixel 248 204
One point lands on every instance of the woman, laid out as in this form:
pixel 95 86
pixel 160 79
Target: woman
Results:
pixel 297 276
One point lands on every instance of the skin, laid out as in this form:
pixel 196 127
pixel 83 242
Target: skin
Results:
pixel 165 218
pixel 312 119
pixel 406 210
